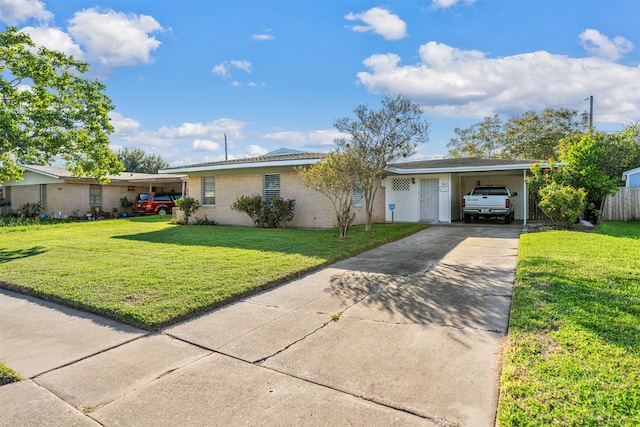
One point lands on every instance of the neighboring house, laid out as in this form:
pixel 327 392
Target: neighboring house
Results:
pixel 62 194
pixel 218 185
pixel 432 190
pixel 632 177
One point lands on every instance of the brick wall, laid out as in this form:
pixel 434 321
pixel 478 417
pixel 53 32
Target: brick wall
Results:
pixel 313 209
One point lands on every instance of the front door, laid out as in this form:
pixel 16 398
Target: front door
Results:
pixel 429 197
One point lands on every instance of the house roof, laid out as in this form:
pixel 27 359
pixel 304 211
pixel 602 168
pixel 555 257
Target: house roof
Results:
pixel 62 173
pixel 631 172
pixel 281 157
pixel 466 164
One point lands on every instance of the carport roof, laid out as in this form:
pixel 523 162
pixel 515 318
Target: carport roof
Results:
pixel 65 174
pixel 467 164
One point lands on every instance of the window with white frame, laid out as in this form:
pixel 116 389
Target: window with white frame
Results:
pixel 43 195
pixel 208 190
pixel 270 186
pixel 95 195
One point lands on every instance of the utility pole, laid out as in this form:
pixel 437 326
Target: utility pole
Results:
pixel 590 112
pixel 225 147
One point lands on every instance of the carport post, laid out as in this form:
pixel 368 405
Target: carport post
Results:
pixel 525 197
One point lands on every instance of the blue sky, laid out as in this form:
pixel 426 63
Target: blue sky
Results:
pixel 276 74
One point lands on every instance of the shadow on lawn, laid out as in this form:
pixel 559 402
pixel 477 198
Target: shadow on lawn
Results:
pixel 7 255
pixel 261 239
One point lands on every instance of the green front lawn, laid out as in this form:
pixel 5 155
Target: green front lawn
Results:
pixel 150 273
pixel 574 335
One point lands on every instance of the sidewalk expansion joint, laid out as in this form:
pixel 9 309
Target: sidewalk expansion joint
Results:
pixel 439 421
pixel 264 359
pixel 324 325
pixel 80 359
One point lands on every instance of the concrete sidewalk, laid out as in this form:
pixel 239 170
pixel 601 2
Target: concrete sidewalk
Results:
pixel 405 334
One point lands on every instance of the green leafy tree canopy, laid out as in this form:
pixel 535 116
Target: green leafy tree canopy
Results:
pixel 137 160
pixel 527 136
pixel 49 110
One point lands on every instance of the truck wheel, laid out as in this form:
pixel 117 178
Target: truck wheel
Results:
pixel 507 219
pixel 467 218
pixel 162 211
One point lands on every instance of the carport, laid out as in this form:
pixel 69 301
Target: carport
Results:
pixel 432 190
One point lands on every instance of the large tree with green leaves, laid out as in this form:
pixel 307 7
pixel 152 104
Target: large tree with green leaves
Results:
pixel 536 136
pixel 50 111
pixel 137 160
pixel 595 162
pixel 527 136
pixel 483 139
pixel 376 138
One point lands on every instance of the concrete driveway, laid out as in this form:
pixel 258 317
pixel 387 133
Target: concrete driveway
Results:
pixel 405 334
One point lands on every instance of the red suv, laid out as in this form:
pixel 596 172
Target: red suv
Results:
pixel 155 203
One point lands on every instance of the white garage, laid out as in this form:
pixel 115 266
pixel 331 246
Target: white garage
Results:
pixel 432 190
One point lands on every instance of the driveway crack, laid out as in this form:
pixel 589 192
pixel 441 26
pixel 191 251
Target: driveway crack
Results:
pixel 264 359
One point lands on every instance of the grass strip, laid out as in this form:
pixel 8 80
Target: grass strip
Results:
pixel 7 375
pixel 574 336
pixel 149 273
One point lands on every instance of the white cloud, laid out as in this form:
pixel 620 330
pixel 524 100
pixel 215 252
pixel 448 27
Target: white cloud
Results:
pixel 317 138
pixel 242 65
pixel 205 145
pixel 289 137
pixel 262 37
pixel 216 129
pixel 13 12
pixel 113 38
pixel 54 39
pixel 379 21
pixel 453 82
pixel 445 4
pixel 224 68
pixel 255 150
pixel 324 138
pixel 123 126
pixel 598 44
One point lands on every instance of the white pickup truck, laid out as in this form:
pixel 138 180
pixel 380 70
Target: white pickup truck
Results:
pixel 488 201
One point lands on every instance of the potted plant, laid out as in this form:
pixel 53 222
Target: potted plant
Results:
pixel 115 213
pixel 126 204
pixel 74 215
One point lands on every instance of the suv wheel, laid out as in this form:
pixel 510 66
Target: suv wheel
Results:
pixel 162 211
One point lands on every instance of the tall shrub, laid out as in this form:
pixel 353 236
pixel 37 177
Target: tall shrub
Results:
pixel 271 213
pixel 563 203
pixel 188 206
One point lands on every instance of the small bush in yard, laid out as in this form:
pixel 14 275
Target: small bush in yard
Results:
pixel 188 206
pixel 563 203
pixel 270 213
pixel 205 221
pixel 30 210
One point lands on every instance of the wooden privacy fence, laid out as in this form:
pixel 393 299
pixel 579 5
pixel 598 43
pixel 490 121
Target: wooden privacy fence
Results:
pixel 623 206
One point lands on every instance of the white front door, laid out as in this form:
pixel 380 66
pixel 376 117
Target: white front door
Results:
pixel 429 197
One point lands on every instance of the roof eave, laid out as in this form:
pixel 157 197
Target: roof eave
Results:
pixel 51 175
pixel 412 171
pixel 251 165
